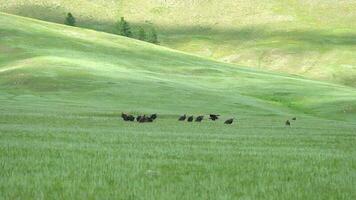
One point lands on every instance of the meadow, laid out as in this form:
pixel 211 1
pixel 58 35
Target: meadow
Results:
pixel 62 90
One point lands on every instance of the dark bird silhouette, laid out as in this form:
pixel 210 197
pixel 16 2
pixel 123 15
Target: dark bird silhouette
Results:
pixel 182 118
pixel 153 117
pixel 190 119
pixel 142 119
pixel 138 118
pixel 125 117
pixel 214 117
pixel 229 121
pixel 294 118
pixel 149 119
pixel 287 123
pixel 199 118
pixel 131 118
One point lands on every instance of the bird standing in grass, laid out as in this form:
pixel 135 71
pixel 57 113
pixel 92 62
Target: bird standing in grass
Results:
pixel 199 118
pixel 149 119
pixel 294 118
pixel 153 116
pixel 138 118
pixel 229 121
pixel 182 118
pixel 214 117
pixel 190 119
pixel 124 117
pixel 131 118
pixel 143 119
pixel 287 123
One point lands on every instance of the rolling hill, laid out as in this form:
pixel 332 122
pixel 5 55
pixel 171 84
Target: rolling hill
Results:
pixel 62 90
pixel 316 39
pixel 44 58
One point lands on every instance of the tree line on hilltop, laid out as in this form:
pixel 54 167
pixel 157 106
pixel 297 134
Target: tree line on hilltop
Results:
pixel 123 28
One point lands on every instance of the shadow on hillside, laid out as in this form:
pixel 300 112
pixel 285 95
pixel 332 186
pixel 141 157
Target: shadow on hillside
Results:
pixel 182 33
pixel 51 14
pixel 57 14
pixel 313 37
pixel 245 34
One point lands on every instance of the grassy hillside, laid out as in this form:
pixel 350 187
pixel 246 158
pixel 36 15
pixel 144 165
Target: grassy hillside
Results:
pixel 62 90
pixel 310 38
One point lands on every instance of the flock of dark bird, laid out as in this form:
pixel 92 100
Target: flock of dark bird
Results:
pixel 200 118
pixel 140 118
pixel 151 118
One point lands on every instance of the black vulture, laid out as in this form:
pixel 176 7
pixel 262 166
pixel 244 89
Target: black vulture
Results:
pixel 142 119
pixel 190 119
pixel 149 119
pixel 229 121
pixel 153 117
pixel 214 117
pixel 182 118
pixel 125 117
pixel 287 123
pixel 138 118
pixel 199 118
pixel 131 118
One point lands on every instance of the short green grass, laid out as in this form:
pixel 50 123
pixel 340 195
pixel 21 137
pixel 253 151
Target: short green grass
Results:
pixel 315 38
pixel 62 90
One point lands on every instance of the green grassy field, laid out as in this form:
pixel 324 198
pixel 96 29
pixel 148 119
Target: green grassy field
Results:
pixel 62 90
pixel 316 39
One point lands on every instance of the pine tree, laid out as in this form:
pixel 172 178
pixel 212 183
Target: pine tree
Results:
pixel 141 34
pixel 153 38
pixel 123 28
pixel 70 20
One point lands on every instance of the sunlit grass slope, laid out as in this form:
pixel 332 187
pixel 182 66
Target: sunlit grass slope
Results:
pixel 62 90
pixel 314 38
